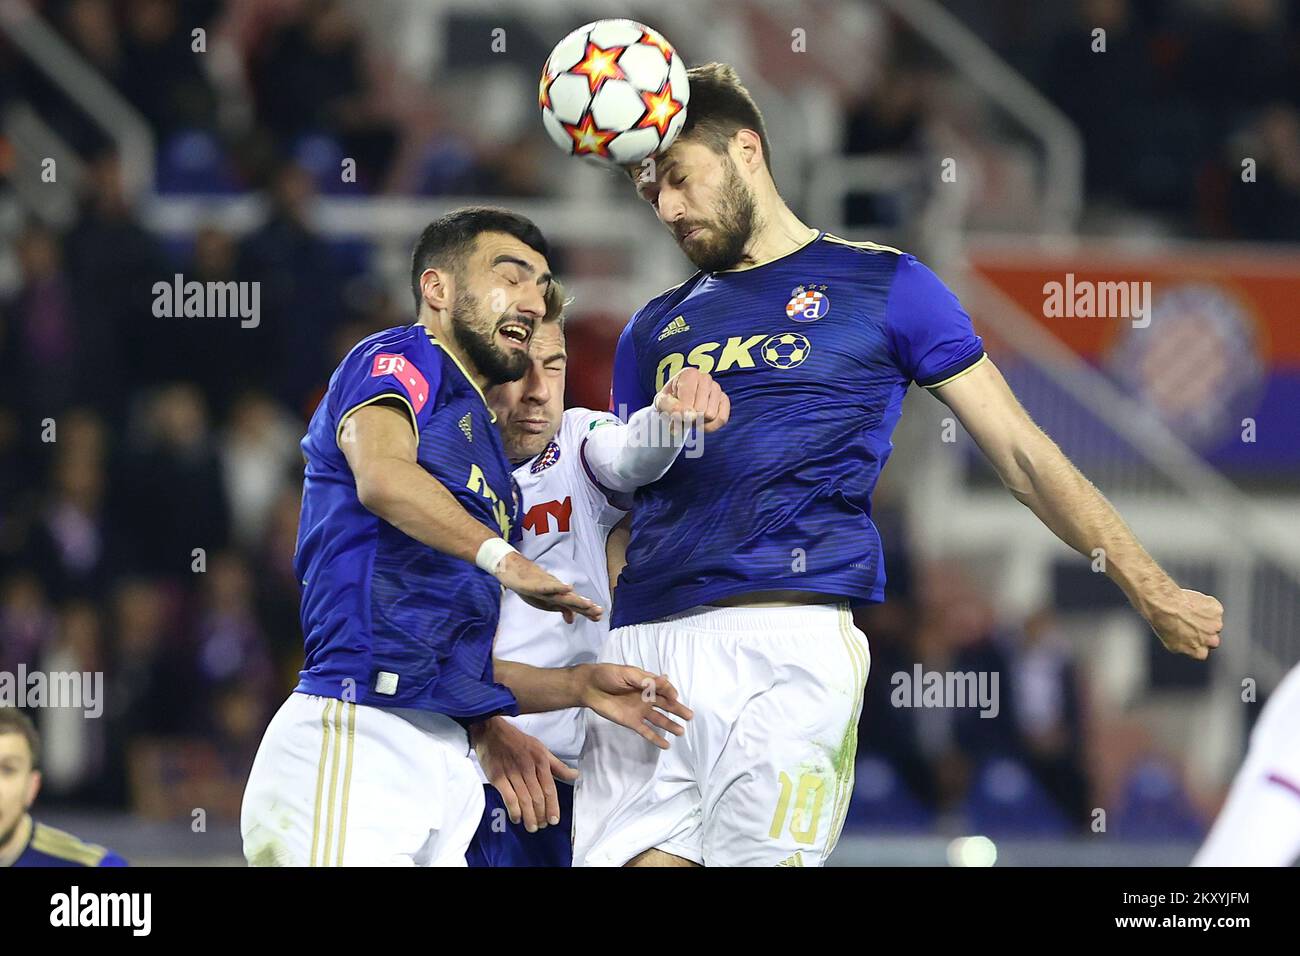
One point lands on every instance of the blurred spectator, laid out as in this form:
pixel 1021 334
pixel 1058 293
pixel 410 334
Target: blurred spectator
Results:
pixel 1266 206
pixel 53 350
pixel 173 492
pixel 117 264
pixel 157 44
pixel 27 623
pixel 259 457
pixel 312 79
pixel 300 290
pixel 1044 681
pixel 70 544
pixel 231 645
pixel 75 748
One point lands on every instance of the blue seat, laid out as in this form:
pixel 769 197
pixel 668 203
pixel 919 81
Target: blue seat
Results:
pixel 194 162
pixel 882 801
pixel 322 156
pixel 1154 806
pixel 1006 800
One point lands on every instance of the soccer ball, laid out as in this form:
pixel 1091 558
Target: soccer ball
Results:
pixel 786 350
pixel 614 91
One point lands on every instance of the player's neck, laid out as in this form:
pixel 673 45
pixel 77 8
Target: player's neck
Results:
pixel 778 232
pixel 17 842
pixel 442 332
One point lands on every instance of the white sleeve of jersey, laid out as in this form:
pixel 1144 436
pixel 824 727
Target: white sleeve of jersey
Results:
pixel 607 504
pixel 1260 823
pixel 625 457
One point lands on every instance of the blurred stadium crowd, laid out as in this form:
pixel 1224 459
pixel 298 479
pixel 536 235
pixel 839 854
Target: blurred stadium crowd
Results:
pixel 177 447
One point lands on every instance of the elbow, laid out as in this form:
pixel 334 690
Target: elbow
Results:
pixel 372 490
pixel 1017 475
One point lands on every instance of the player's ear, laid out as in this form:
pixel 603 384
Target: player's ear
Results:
pixel 33 788
pixel 749 150
pixel 437 288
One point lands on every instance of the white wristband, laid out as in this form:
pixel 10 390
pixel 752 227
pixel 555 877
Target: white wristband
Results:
pixel 491 552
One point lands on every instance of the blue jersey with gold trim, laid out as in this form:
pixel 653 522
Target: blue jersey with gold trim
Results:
pixel 389 621
pixel 50 847
pixel 815 350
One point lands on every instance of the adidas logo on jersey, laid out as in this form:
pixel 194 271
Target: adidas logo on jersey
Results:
pixel 672 328
pixel 465 427
pixel 794 860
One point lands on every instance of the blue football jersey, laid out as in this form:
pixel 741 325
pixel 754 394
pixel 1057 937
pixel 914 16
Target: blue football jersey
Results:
pixel 50 847
pixel 815 350
pixel 389 621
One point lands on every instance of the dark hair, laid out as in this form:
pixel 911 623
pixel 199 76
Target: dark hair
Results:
pixel 720 106
pixel 446 242
pixel 14 721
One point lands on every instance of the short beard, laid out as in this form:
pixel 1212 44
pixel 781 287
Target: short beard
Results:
pixel 734 226
pixel 492 362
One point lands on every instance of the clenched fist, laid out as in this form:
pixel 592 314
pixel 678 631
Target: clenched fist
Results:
pixel 1191 625
pixel 692 397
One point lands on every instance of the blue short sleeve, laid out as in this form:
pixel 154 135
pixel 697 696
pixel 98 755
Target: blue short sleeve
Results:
pixel 371 372
pixel 931 334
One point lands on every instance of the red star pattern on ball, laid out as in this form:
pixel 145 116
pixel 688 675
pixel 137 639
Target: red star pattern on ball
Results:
pixel 660 108
pixel 587 138
pixel 600 64
pixel 651 38
pixel 544 89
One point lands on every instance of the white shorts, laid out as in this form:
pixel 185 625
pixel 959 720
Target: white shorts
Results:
pixel 764 773
pixel 341 784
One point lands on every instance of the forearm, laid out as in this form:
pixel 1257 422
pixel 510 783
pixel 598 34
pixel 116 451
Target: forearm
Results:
pixel 1077 513
pixel 539 689
pixel 625 457
pixel 417 504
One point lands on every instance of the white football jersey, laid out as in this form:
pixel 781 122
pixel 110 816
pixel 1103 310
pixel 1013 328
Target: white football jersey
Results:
pixel 1260 822
pixel 567 519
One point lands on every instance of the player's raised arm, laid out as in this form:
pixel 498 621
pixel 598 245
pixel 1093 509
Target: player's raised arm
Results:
pixel 380 447
pixel 1037 472
pixel 625 457
pixel 626 695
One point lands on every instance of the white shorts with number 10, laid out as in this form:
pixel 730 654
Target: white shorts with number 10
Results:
pixel 764 773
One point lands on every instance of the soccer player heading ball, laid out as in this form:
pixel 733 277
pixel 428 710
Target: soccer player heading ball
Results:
pixel 744 561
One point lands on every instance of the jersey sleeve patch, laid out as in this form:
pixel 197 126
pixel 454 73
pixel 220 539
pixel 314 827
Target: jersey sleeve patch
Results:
pixel 405 373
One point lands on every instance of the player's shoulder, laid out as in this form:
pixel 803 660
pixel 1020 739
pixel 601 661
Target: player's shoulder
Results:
pixel 648 315
pixel 578 423
pixel 859 254
pixel 61 848
pixel 409 341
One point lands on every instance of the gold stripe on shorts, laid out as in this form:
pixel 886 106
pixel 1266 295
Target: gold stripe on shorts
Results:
pixel 347 780
pixel 334 782
pixel 320 776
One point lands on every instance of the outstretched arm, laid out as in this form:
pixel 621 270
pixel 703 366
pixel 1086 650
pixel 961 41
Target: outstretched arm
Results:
pixel 380 448
pixel 625 457
pixel 626 695
pixel 1037 472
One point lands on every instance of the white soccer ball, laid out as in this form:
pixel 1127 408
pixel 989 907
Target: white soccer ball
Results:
pixel 614 91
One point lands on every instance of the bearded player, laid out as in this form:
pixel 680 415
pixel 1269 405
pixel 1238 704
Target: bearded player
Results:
pixel 574 470
pixel 744 562
pixel 408 507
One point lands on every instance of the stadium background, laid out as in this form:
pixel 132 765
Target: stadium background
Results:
pixel 988 137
